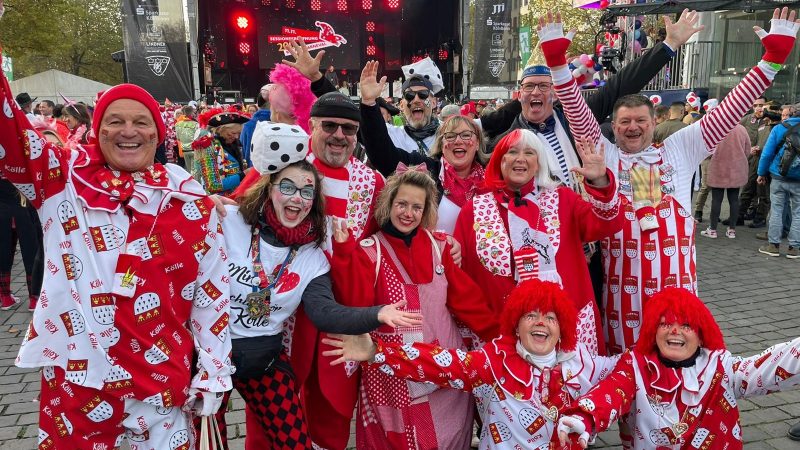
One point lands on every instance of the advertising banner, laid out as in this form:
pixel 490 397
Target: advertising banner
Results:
pixel 524 45
pixel 491 27
pixel 156 51
pixel 8 67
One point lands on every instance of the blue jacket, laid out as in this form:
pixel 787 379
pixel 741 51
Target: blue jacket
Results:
pixel 773 151
pixel 262 115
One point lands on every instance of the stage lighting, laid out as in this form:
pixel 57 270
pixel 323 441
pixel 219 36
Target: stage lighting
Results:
pixel 366 5
pixel 242 22
pixel 392 4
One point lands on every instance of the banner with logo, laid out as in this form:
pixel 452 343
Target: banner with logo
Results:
pixel 492 29
pixel 524 45
pixel 156 51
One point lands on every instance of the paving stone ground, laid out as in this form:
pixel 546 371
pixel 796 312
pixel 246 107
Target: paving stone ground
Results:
pixel 755 298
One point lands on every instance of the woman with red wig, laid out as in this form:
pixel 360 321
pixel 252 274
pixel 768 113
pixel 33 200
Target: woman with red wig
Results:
pixel 678 386
pixel 520 380
pixel 525 226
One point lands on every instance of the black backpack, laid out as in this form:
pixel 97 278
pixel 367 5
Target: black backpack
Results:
pixel 791 148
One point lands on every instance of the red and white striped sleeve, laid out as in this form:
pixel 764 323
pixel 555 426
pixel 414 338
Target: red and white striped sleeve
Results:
pixel 721 120
pixel 582 123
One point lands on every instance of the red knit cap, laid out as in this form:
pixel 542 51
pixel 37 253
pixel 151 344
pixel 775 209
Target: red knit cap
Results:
pixel 131 92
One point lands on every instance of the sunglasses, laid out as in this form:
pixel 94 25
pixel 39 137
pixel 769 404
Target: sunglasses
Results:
pixel 331 127
pixel 288 188
pixel 409 94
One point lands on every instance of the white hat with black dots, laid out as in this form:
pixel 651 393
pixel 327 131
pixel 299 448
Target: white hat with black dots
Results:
pixel 276 145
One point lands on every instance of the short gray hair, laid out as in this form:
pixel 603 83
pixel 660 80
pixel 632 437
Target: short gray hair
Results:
pixel 449 110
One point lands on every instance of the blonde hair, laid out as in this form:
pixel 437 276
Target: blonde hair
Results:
pixel 410 177
pixel 450 124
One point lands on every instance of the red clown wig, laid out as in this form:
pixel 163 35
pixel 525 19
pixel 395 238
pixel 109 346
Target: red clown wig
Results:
pixel 681 306
pixel 545 297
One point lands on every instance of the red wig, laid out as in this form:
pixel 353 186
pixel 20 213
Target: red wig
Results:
pixel 545 297
pixel 677 304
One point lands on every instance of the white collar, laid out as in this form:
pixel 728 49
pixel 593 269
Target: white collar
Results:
pixel 541 362
pixel 648 156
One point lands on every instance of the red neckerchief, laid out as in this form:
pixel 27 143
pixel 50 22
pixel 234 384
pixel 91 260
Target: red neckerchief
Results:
pixel 460 190
pixel 302 234
pixel 103 188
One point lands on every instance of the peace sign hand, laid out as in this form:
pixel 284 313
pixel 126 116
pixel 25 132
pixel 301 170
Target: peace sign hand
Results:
pixel 594 162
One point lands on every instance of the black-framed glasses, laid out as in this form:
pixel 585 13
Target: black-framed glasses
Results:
pixel 530 87
pixel 423 94
pixel 331 127
pixel 288 188
pixel 464 135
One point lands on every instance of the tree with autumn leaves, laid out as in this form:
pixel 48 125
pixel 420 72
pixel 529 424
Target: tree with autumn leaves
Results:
pixel 74 36
pixel 586 22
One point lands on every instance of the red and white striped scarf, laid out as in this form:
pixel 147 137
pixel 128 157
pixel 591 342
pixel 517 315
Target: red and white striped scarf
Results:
pixel 349 191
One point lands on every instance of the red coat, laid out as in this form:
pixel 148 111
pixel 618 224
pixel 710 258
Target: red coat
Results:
pixel 580 221
pixel 353 275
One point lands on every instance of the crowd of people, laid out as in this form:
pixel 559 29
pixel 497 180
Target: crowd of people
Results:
pixel 510 266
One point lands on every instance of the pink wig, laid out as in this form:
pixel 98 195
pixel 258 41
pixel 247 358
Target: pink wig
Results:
pixel 293 95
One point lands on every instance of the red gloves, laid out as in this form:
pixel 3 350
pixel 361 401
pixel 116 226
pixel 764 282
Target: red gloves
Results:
pixel 554 43
pixel 778 43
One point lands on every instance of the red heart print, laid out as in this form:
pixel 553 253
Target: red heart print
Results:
pixel 288 281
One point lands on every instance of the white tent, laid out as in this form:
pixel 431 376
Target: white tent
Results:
pixel 49 84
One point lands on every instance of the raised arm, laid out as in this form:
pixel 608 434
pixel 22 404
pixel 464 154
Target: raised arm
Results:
pixel 498 122
pixel 36 167
pixel 381 151
pixel 554 45
pixel 778 44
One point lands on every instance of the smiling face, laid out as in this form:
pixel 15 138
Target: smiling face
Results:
pixel 537 106
pixel 460 152
pixel 288 193
pixel 676 341
pixel 758 107
pixel 417 111
pixel 408 208
pixel 333 148
pixel 128 136
pixel 519 165
pixel 633 128
pixel 539 333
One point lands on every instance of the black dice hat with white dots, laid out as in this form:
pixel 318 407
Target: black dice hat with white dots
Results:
pixel 276 145
pixel 428 70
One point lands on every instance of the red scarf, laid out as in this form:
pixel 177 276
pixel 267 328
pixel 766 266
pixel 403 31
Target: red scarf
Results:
pixel 460 190
pixel 302 234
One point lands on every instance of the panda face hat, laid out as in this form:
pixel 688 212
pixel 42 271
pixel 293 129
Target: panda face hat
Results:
pixel 276 145
pixel 428 70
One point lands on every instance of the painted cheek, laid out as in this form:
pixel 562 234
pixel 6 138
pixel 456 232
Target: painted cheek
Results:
pixel 153 136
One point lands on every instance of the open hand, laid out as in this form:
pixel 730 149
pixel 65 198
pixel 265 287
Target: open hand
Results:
pixel 392 315
pixel 371 88
pixel 219 204
pixel 349 348
pixel 678 33
pixel 594 162
pixel 303 61
pixel 778 43
pixel 552 39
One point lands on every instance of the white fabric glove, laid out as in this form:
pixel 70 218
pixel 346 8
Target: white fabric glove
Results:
pixel 203 403
pixel 573 424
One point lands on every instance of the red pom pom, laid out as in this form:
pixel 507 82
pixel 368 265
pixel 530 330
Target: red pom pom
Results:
pixel 603 4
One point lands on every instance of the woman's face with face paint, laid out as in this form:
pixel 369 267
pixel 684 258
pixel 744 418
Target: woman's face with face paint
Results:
pixel 289 194
pixel 128 136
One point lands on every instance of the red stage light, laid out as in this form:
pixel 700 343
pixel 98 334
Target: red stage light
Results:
pixel 266 2
pixel 442 54
pixel 366 5
pixel 290 4
pixel 370 26
pixel 316 5
pixel 341 5
pixel 244 48
pixel 392 4
pixel 371 50
pixel 242 22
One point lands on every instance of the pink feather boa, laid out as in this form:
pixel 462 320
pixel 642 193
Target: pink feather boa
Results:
pixel 298 89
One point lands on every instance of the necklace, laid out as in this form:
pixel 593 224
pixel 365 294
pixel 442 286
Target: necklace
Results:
pixel 258 301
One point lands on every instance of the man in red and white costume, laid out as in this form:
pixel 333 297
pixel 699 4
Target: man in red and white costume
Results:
pixel 137 284
pixel 655 248
pixel 678 387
